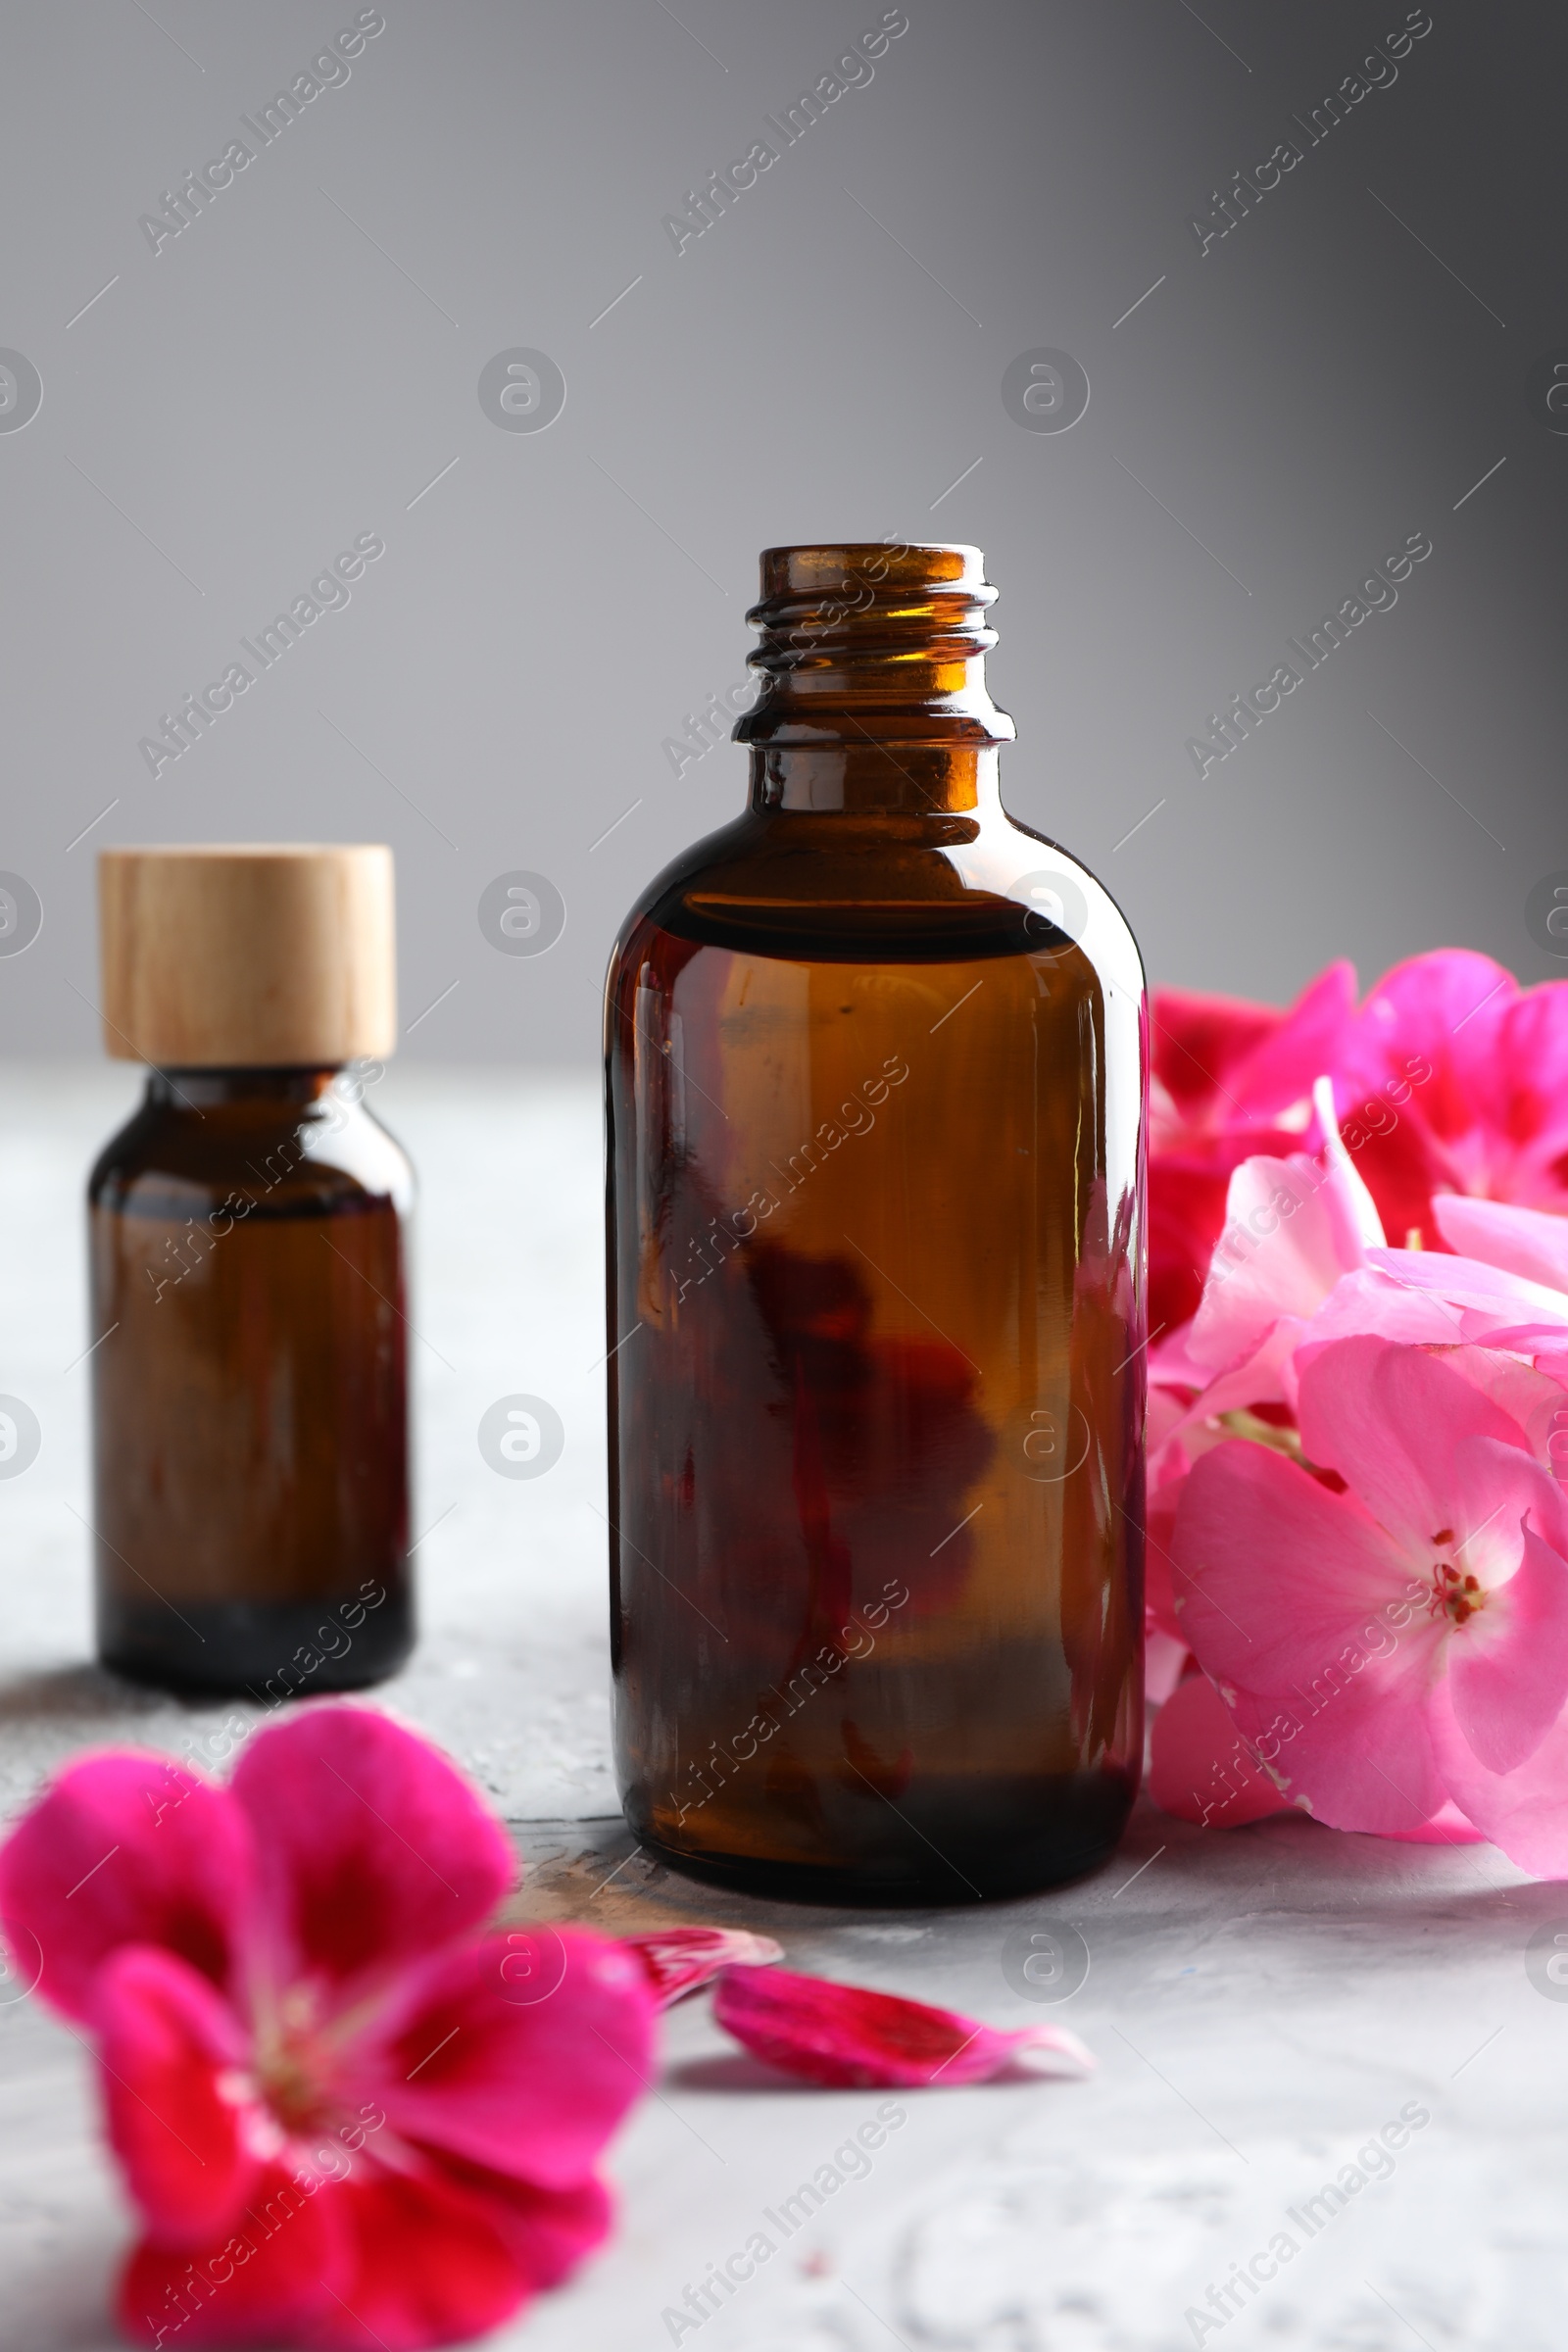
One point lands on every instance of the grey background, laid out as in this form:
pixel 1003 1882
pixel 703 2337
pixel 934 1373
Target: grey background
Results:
pixel 302 361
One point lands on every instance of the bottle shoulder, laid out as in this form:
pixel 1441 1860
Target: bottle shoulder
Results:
pixel 283 1159
pixel 896 888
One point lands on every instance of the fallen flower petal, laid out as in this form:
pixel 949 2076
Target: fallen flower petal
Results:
pixel 679 1960
pixel 847 2037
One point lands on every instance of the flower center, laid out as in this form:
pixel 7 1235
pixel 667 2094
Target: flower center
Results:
pixel 293 2063
pixel 291 2087
pixel 1455 1594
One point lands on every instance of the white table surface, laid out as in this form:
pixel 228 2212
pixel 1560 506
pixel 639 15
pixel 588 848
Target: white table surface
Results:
pixel 1262 2001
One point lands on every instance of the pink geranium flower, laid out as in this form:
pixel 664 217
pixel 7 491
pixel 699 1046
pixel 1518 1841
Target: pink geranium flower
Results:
pixel 1387 1622
pixel 1293 1228
pixel 346 2115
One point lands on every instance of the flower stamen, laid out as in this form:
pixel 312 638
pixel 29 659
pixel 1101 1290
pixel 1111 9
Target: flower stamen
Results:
pixel 1453 1595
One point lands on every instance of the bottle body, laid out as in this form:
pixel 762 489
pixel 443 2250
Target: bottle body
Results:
pixel 875 1301
pixel 248 1266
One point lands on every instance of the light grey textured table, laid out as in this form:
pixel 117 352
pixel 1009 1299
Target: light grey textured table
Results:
pixel 1262 2001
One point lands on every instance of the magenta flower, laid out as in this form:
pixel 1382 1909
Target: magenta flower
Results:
pixel 1387 1622
pixel 346 2115
pixel 850 2037
pixel 1457 1081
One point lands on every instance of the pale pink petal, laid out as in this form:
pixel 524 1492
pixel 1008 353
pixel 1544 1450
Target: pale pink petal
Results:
pixel 1535 1396
pixel 1494 1484
pixel 1344 1751
pixel 1508 1664
pixel 1430 1308
pixel 1361 1227
pixel 1543 1341
pixel 1526 1242
pixel 1173 1376
pixel 1467 1284
pixel 1277 1577
pixel 1164 1658
pixel 1524 1811
pixel 125 1848
pixel 847 2037
pixel 1309 1618
pixel 679 1960
pixel 1387 1419
pixel 1292 1230
pixel 1386 1304
pixel 1159 1590
pixel 1268 1376
pixel 527 2073
pixel 375 1850
pixel 1447 1826
pixel 180 2111
pixel 1201 1769
pixel 265 2282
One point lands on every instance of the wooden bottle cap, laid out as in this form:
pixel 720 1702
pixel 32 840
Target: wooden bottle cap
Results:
pixel 248 955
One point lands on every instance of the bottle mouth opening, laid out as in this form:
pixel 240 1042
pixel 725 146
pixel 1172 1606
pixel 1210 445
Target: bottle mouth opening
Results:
pixel 882 564
pixel 816 593
pixel 875 640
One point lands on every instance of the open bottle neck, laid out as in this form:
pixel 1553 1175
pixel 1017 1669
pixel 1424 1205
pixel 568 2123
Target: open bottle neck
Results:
pixel 874 695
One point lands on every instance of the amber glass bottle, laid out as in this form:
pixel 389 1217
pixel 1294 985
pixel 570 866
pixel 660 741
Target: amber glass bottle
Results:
pixel 247 1260
pixel 875 1088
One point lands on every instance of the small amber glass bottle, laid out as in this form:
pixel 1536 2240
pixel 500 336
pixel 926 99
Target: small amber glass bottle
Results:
pixel 247 1244
pixel 875 1063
